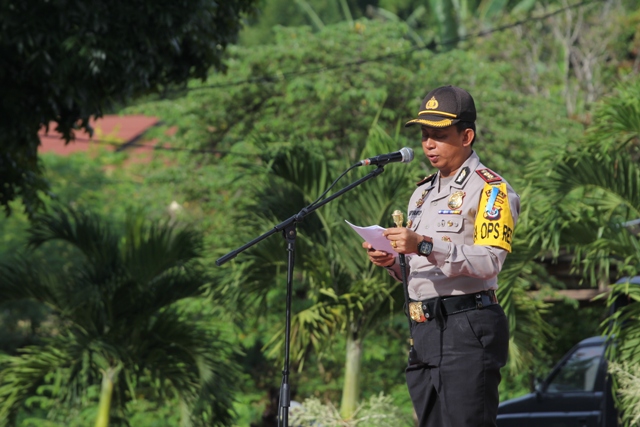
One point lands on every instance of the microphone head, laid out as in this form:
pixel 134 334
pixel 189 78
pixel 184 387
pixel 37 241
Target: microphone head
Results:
pixel 407 154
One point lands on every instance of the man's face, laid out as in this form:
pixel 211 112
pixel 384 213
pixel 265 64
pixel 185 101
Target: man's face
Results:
pixel 446 148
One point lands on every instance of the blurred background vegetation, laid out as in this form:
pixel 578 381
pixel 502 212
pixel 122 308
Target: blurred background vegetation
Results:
pixel 98 289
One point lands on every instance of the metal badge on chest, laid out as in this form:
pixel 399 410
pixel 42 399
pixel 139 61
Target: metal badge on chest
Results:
pixel 455 200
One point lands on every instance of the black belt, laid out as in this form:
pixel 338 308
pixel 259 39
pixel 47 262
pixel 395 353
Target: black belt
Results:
pixel 425 310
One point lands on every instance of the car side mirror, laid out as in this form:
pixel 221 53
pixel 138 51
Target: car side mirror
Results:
pixel 538 387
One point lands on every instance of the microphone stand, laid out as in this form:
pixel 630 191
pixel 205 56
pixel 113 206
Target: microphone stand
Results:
pixel 288 227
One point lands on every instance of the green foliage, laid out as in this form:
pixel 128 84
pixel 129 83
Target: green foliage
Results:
pixel 120 308
pixel 450 19
pixel 628 377
pixel 314 13
pixel 331 110
pixel 574 55
pixel 100 181
pixel 586 205
pixel 378 411
pixel 622 328
pixel 65 62
pixel 589 193
pixel 325 90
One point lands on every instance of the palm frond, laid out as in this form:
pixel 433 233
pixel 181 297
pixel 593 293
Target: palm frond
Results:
pixel 615 177
pixel 310 329
pixel 617 119
pixel 194 360
pixel 21 375
pixel 84 231
pixel 21 280
pixel 151 249
pixel 582 204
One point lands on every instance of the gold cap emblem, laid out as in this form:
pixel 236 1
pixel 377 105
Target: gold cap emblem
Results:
pixel 431 104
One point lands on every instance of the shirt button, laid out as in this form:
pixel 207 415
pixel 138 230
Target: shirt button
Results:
pixel 426 226
pixel 434 203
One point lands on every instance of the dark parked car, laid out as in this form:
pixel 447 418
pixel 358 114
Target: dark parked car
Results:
pixel 577 393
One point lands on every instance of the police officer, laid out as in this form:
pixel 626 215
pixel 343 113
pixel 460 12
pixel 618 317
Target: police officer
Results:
pixel 459 231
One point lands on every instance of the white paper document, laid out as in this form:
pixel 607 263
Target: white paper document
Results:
pixel 373 235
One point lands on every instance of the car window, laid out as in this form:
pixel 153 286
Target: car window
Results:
pixel 579 371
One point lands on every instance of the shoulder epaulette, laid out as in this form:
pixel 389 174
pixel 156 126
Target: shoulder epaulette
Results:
pixel 488 175
pixel 426 179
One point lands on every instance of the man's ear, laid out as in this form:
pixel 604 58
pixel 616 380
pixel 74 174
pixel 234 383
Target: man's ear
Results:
pixel 467 136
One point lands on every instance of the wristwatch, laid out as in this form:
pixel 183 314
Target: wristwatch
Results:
pixel 425 247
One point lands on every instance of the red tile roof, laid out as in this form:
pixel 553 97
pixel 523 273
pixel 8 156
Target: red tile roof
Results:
pixel 107 130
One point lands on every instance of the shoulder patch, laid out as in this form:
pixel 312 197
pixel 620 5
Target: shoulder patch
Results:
pixel 426 179
pixel 488 175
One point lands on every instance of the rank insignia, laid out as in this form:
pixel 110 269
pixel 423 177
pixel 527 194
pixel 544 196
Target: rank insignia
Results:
pixel 488 175
pixel 455 200
pixel 462 176
pixel 446 238
pixel 409 224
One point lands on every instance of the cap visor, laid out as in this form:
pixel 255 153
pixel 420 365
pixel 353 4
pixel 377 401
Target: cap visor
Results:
pixel 442 123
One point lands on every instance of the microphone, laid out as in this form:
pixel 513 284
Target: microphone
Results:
pixel 405 155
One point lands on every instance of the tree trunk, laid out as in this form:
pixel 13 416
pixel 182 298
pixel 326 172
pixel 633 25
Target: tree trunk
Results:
pixel 351 387
pixel 104 407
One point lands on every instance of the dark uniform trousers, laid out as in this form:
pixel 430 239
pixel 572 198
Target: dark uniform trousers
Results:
pixel 455 382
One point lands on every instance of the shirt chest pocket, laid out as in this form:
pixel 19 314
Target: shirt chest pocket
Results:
pixel 451 228
pixel 454 228
pixel 449 224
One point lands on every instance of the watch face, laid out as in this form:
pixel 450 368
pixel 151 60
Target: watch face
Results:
pixel 425 248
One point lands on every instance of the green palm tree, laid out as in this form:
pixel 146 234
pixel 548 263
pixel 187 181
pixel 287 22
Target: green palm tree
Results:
pixel 589 207
pixel 123 326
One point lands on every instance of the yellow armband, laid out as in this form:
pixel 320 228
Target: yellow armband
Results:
pixel 494 223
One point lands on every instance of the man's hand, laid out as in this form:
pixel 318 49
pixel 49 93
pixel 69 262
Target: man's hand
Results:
pixel 406 241
pixel 379 258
